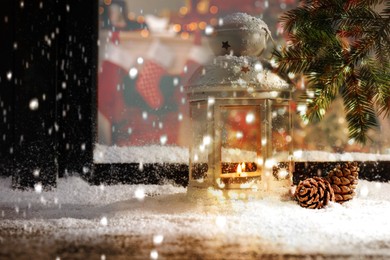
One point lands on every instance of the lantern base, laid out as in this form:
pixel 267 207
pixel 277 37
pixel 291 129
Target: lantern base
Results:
pixel 282 190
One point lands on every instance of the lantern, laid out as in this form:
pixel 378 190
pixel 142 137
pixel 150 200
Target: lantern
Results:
pixel 240 122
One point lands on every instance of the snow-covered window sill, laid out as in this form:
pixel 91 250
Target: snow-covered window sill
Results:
pixel 157 164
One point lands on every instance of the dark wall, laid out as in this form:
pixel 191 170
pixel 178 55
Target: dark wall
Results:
pixel 50 47
pixel 7 21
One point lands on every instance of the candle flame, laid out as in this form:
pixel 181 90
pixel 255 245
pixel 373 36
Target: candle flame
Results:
pixel 240 167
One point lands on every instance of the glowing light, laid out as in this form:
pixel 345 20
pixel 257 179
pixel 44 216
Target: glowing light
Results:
pixel 140 60
pixel 38 188
pixel 260 161
pixel 196 158
pixel 176 81
pixel 140 19
pixel 209 30
pixel 158 239
pixel 250 118
pixel 202 7
pixel 144 115
pixel 239 135
pixel 213 9
pixel 34 104
pixel 220 221
pixel 192 26
pixel 139 194
pixel 213 21
pixel 283 174
pixel 103 221
pixel 241 168
pixel 302 108
pixel 163 139
pixel 133 73
pixel 183 10
pixel 298 154
pixel 209 115
pixel 180 117
pixel 144 33
pixel 310 94
pixel 185 35
pixel 269 163
pixel 322 112
pixel 154 254
pixel 9 75
pixel 202 25
pixel 36 173
pixel 258 67
pixel 206 140
pixel 176 28
pixel 210 101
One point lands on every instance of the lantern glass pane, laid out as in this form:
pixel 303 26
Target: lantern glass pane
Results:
pixel 240 139
pixel 281 130
pixel 201 141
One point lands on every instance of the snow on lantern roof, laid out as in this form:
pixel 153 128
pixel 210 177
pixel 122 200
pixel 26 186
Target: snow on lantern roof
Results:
pixel 244 21
pixel 236 73
pixel 241 35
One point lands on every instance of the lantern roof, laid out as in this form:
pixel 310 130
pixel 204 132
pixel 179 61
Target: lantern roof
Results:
pixel 236 73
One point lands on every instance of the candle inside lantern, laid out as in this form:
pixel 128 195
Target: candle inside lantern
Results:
pixel 240 168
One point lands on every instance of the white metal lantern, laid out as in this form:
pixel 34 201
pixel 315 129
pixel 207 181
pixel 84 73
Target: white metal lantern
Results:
pixel 241 128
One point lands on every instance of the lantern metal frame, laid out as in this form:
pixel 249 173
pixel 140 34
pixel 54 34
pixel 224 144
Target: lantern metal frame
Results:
pixel 215 97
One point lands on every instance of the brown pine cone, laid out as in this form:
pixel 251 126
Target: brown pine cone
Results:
pixel 343 180
pixel 314 193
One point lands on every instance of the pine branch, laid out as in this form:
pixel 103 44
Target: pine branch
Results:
pixel 359 109
pixel 343 47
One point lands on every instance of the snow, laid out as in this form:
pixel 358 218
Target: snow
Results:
pixel 245 22
pixel 322 156
pixel 140 154
pixel 176 154
pixel 151 221
pixel 227 71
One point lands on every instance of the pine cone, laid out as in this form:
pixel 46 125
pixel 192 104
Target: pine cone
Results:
pixel 314 193
pixel 343 180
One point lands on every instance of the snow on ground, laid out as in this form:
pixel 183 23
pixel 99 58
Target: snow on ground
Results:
pixel 160 222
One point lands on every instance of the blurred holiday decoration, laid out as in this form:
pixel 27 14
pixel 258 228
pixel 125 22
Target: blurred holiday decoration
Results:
pixel 159 58
pixel 344 179
pixel 314 193
pixel 348 56
pixel 241 118
pixel 128 29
